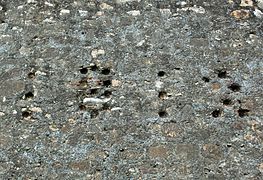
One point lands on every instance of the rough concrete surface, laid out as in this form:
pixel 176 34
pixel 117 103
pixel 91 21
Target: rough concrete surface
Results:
pixel 131 89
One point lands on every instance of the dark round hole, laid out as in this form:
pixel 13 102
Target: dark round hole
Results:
pixel 31 75
pixel 121 150
pixel 163 114
pixel 205 79
pixel 82 107
pixel 29 95
pixel 162 95
pixel 216 113
pixel 234 87
pixel 107 83
pixel 105 71
pixel 26 114
pixel 105 107
pixel 243 112
pixel 83 70
pixel 94 113
pixel 229 145
pixel 94 67
pixel 107 93
pixel 161 73
pixel 222 74
pixel 227 102
pixel 93 91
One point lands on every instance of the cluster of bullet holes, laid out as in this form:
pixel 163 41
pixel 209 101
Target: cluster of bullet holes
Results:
pixel 234 87
pixel 102 88
pixel 162 95
pixel 29 95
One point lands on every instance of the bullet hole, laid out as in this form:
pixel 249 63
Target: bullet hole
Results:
pixel 229 145
pixel 35 37
pixel 93 91
pixel 98 169
pixel 29 95
pixel 107 93
pixel 82 107
pixel 94 67
pixel 234 87
pixel 227 102
pixel 83 70
pixel 94 113
pixel 162 114
pixel 239 45
pixel 222 74
pixel 105 71
pixel 26 114
pixel 205 79
pixel 162 95
pixel 243 112
pixel 154 165
pixel 105 107
pixel 216 113
pixel 121 150
pixel 31 75
pixel 161 73
pixel 106 83
pixel 177 68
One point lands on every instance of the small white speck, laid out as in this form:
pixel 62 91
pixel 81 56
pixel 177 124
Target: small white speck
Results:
pixel 83 13
pixel 134 13
pixel 116 109
pixel 158 84
pixel 64 11
pixel 49 4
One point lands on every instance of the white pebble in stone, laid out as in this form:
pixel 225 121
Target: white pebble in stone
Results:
pixel 134 13
pixel 31 1
pixel 95 100
pixel 49 4
pixel 96 52
pixel 64 12
pixel 105 6
pixel 246 3
pixel 124 1
pixel 258 13
pixel 83 13
pixel 260 3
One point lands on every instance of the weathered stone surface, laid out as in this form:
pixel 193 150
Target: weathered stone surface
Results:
pixel 131 89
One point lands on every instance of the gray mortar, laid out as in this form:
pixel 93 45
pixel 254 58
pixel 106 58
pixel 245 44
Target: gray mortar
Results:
pixel 148 124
